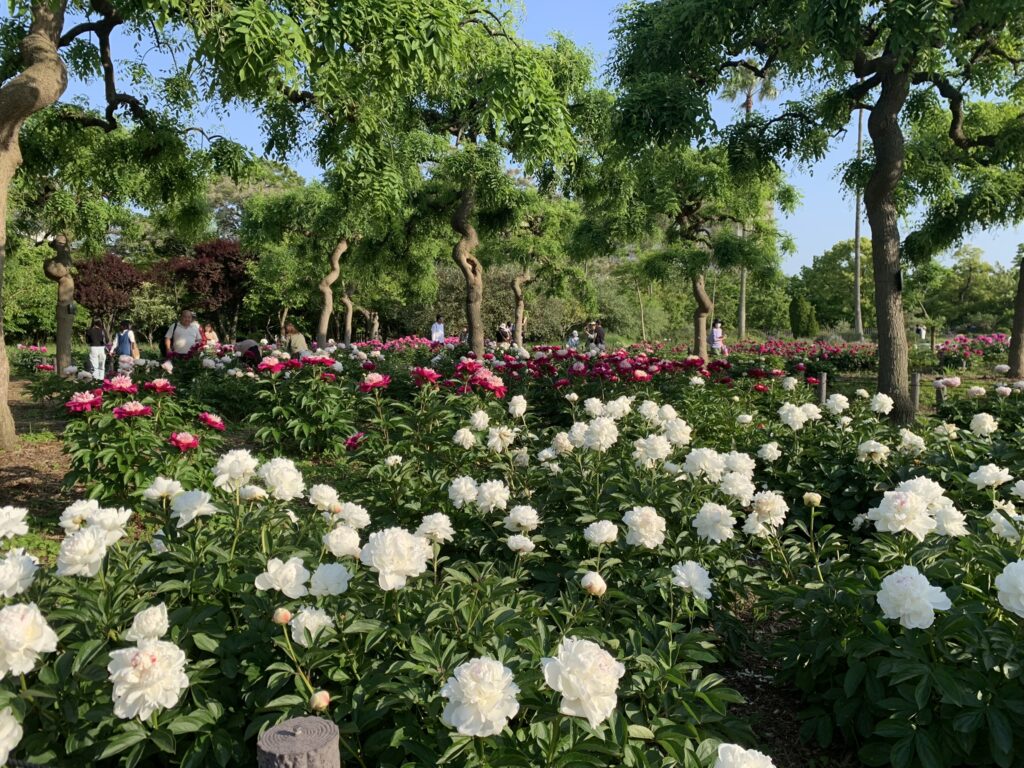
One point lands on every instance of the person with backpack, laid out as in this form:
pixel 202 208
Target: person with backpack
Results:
pixel 183 336
pixel 96 338
pixel 124 343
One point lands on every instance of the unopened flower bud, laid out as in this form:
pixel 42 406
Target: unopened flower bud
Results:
pixel 593 583
pixel 282 616
pixel 319 701
pixel 812 499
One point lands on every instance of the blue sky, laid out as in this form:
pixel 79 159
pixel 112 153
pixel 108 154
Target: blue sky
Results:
pixel 825 215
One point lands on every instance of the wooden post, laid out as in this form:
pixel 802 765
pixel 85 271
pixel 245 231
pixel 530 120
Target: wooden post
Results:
pixel 822 388
pixel 915 391
pixel 302 742
pixel 940 395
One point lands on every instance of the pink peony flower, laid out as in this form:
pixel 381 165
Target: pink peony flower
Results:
pixel 84 401
pixel 212 421
pixel 353 442
pixel 120 383
pixel 374 381
pixel 132 409
pixel 183 441
pixel 160 386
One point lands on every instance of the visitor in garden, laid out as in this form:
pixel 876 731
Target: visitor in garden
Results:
pixel 599 336
pixel 210 337
pixel 183 336
pixel 248 350
pixel 718 339
pixel 124 342
pixel 464 335
pixel 589 330
pixel 437 330
pixel 294 342
pixel 96 338
pixel 504 336
pixel 574 340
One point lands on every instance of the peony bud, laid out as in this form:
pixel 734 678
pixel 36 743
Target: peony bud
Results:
pixel 282 616
pixel 812 499
pixel 593 583
pixel 319 701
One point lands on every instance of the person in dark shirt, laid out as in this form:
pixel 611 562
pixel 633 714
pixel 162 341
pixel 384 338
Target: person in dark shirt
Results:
pixel 96 338
pixel 599 336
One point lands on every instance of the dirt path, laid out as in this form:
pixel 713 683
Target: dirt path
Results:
pixel 31 475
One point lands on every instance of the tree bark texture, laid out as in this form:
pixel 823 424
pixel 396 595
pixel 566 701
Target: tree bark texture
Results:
pixel 40 84
pixel 858 318
pixel 472 269
pixel 741 326
pixel 58 268
pixel 880 206
pixel 518 292
pixel 1017 336
pixel 327 291
pixel 643 320
pixel 346 302
pixel 700 316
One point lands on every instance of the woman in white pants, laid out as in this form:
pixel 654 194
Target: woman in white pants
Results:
pixel 96 338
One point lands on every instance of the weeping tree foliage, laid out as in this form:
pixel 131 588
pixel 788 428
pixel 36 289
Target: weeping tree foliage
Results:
pixel 672 56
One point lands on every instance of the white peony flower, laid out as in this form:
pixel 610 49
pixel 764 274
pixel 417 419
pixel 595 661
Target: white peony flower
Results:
pixel 676 431
pixel 734 756
pixel 873 452
pixel 572 397
pixel 77 515
pixel 479 420
pixel 587 676
pixel 10 733
pixel 481 697
pixel 162 488
pixel 792 416
pixel 692 577
pixel 948 431
pixel 788 384
pixel 649 451
pixel 705 462
pixel 12 521
pixel 976 391
pixel 769 452
pixel 739 486
pixel 149 624
pixel 714 522
pixel 837 403
pixel 17 572
pixel 697 381
pixel 500 438
pixel 1010 587
pixel 810 411
pixel 329 579
pixel 768 512
pixel 593 583
pixel 561 444
pixel 989 476
pixel 82 553
pixel 393 460
pixel 517 406
pixel 650 412
pixel 436 528
pixel 396 556
pixel 188 505
pixel 594 407
pixel 491 495
pixel 521 545
pixel 618 408
pixel 288 577
pixel 282 479
pixel 522 518
pixel 462 491
pixel 252 493
pixel 1005 520
pixel 600 532
pixel 744 418
pixel 464 438
pixel 234 469
pixel 111 522
pixel 903 511
pixel 910 444
pixel 983 424
pixel 882 404
pixel 645 527
pixel 906 595
pixel 342 541
pixel 601 434
pixel 24 636
pixel 323 497
pixel 147 677
pixel 577 433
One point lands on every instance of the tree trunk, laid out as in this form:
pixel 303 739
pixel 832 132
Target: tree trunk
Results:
pixel 1017 336
pixel 472 269
pixel 346 302
pixel 700 316
pixel 282 318
pixel 518 284
pixel 858 319
pixel 58 269
pixel 36 87
pixel 328 292
pixel 880 206
pixel 643 320
pixel 741 325
pixel 372 323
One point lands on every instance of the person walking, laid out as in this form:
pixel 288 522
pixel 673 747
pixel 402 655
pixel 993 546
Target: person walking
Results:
pixel 718 339
pixel 437 331
pixel 183 336
pixel 96 338
pixel 124 343
pixel 294 342
pixel 599 336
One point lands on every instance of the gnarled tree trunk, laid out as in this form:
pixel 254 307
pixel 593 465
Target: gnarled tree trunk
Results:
pixel 36 87
pixel 346 302
pixel 372 319
pixel 282 318
pixel 700 316
pixel 518 285
pixel 327 291
pixel 58 269
pixel 472 269
pixel 880 206
pixel 1017 337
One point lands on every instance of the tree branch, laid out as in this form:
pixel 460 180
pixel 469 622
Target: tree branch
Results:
pixel 955 99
